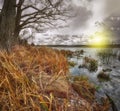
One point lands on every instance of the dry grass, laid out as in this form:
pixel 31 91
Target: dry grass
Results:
pixel 34 79
pixel 82 86
pixel 66 53
pixel 39 59
pixel 25 81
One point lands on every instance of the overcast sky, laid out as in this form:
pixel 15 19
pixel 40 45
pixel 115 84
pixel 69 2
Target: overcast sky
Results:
pixel 88 12
pixel 91 11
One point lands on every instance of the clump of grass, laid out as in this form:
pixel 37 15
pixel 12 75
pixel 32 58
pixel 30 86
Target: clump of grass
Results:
pixel 71 63
pixel 82 51
pixel 103 76
pixel 66 53
pixel 79 52
pixel 87 90
pixel 84 88
pixel 91 64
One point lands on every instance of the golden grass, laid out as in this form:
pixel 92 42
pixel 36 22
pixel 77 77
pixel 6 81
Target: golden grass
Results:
pixel 25 81
pixel 40 59
pixel 34 79
pixel 82 86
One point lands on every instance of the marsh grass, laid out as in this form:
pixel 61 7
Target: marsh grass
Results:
pixel 91 64
pixel 72 63
pixel 25 78
pixel 40 59
pixel 119 57
pixel 84 89
pixel 103 76
pixel 35 79
pixel 106 55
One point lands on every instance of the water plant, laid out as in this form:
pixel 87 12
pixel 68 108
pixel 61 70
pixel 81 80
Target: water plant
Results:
pixel 66 53
pixel 79 52
pixel 119 57
pixel 72 63
pixel 103 76
pixel 91 64
pixel 106 55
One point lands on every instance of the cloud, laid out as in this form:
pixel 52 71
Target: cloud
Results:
pixel 112 20
pixel 1 3
pixel 112 6
pixel 82 17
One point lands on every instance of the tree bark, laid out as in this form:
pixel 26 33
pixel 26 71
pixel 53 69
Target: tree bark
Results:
pixel 18 19
pixel 7 24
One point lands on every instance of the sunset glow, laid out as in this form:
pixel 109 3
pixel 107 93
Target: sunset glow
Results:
pixel 99 38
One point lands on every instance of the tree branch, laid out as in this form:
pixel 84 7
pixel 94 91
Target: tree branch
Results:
pixel 44 16
pixel 30 6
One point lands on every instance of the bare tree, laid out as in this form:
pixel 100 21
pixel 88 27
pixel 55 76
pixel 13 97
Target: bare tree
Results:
pixel 29 14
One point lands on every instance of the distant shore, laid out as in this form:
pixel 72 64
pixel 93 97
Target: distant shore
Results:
pixel 86 46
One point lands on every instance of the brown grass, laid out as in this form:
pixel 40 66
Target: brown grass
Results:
pixel 39 59
pixel 35 79
pixel 25 81
pixel 82 86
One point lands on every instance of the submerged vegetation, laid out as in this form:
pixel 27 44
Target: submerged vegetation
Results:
pixel 72 63
pixel 106 55
pixel 119 57
pixel 91 64
pixel 36 79
pixel 103 76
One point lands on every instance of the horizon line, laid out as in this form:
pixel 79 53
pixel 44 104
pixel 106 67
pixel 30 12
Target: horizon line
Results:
pixel 86 46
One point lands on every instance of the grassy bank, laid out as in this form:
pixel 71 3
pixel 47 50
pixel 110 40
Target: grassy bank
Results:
pixel 37 79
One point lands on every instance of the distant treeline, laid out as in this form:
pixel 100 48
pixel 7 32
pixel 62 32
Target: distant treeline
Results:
pixel 86 46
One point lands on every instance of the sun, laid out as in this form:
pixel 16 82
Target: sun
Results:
pixel 99 39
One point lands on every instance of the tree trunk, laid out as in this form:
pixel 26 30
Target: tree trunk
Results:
pixel 17 21
pixel 7 25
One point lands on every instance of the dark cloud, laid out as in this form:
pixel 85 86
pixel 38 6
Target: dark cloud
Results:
pixel 112 9
pixel 82 17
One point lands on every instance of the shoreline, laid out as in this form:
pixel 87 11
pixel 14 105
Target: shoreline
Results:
pixel 83 46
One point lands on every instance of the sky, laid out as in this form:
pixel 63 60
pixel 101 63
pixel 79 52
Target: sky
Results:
pixel 88 12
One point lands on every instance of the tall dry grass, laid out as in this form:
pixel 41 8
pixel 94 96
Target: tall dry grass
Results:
pixel 39 59
pixel 35 79
pixel 25 80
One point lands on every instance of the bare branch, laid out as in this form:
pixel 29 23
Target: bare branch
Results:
pixel 30 6
pixel 36 12
pixel 44 15
pixel 50 2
